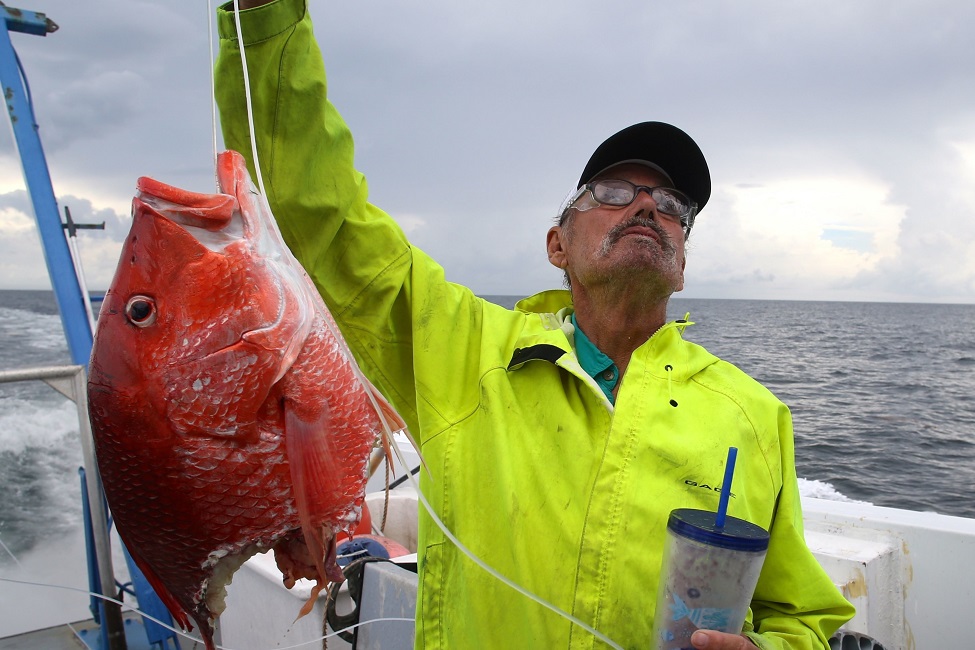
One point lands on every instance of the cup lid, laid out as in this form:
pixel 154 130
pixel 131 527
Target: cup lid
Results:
pixel 736 534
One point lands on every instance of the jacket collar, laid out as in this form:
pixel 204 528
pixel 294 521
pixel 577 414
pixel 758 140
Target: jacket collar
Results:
pixel 552 337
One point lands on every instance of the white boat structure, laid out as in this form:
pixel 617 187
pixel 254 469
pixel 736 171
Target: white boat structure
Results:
pixel 911 575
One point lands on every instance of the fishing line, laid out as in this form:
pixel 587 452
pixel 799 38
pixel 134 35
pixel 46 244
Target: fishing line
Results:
pixel 497 574
pixel 387 429
pixel 389 434
pixel 213 93
pixel 120 603
pixel 11 554
pixel 248 102
pixel 183 633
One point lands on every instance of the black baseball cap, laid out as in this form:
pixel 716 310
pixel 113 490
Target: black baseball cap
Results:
pixel 661 146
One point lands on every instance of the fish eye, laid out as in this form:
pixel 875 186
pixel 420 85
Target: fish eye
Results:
pixel 141 311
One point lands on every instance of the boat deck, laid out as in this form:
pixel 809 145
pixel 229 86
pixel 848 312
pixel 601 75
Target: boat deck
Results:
pixel 59 637
pixel 80 635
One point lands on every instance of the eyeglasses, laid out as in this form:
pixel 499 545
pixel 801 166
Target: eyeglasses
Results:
pixel 618 193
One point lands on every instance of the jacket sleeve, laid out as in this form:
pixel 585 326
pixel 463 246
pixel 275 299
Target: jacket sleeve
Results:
pixel 357 255
pixel 796 606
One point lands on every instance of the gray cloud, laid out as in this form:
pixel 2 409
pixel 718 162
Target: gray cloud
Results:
pixel 472 123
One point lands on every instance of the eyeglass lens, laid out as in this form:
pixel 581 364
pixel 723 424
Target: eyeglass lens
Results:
pixel 620 192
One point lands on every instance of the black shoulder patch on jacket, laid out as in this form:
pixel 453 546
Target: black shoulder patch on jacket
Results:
pixel 544 351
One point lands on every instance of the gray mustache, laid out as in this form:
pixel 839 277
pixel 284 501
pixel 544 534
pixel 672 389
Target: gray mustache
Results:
pixel 616 232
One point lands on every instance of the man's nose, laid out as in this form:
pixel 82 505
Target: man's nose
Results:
pixel 644 200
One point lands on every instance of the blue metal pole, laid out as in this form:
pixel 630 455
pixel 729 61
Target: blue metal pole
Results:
pixel 74 317
pixel 68 291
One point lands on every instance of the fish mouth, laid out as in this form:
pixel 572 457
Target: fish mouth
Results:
pixel 215 227
pixel 215 220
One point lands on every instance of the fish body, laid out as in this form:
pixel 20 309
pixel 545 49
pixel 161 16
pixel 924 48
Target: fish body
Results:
pixel 228 414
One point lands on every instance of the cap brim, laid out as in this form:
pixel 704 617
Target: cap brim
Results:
pixel 664 147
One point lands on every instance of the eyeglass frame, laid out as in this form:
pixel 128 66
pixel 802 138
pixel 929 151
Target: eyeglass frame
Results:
pixel 686 220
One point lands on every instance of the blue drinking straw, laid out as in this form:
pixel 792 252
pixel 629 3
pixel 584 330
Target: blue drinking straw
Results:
pixel 729 471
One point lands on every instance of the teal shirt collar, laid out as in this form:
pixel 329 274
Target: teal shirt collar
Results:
pixel 596 364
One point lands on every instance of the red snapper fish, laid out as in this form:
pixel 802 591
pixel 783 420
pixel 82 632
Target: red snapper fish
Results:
pixel 229 415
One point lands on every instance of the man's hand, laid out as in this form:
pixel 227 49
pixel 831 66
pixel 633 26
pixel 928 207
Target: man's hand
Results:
pixel 720 641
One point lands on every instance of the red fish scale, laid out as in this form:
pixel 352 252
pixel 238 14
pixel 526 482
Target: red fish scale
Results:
pixel 213 389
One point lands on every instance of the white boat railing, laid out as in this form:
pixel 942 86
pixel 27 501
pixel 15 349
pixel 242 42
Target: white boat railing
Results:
pixel 71 381
pixel 908 573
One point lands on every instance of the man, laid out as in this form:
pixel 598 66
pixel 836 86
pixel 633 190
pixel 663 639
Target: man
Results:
pixel 559 435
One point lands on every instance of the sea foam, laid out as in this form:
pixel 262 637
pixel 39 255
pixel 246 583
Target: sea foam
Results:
pixel 824 490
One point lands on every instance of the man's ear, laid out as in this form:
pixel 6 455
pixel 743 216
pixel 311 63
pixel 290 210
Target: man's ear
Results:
pixel 554 244
pixel 680 283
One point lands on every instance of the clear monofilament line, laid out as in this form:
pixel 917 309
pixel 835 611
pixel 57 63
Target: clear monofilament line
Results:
pixel 11 554
pixel 109 599
pixel 470 554
pixel 453 538
pixel 213 93
pixel 249 101
pixel 196 640
pixel 499 576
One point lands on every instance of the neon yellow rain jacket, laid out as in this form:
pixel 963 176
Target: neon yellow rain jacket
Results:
pixel 533 469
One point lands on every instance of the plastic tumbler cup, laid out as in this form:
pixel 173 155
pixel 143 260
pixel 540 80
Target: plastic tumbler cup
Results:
pixel 707 577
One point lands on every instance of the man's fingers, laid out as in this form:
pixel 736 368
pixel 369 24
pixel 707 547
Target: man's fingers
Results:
pixel 720 641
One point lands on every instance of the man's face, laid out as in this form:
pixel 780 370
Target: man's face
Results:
pixel 629 244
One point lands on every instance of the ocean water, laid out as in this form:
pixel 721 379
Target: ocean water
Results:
pixel 40 450
pixel 40 491
pixel 880 394
pixel 881 397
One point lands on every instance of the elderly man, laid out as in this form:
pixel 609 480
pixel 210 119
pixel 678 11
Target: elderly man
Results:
pixel 559 435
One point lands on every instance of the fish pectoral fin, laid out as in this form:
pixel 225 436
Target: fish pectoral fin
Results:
pixel 316 479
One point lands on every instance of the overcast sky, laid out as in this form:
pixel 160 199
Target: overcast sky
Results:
pixel 840 135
